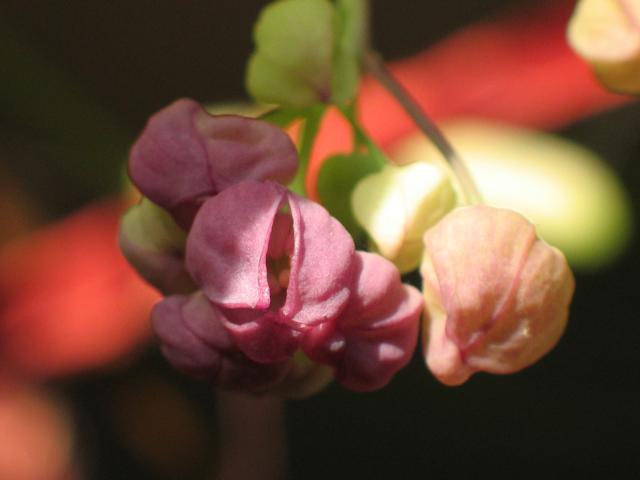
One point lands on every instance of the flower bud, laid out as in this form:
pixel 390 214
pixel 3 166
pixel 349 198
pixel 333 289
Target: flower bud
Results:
pixel 184 156
pixel 397 205
pixel 152 242
pixel 605 33
pixel 497 296
pixel 307 52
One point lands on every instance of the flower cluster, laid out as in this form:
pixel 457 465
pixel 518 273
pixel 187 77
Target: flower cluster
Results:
pixel 266 290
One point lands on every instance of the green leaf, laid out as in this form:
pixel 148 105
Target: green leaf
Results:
pixel 336 180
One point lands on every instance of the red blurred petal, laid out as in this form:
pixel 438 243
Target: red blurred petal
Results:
pixel 517 68
pixel 68 300
pixel 36 436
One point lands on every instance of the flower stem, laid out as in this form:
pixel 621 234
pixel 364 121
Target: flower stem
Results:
pixel 253 437
pixel 375 66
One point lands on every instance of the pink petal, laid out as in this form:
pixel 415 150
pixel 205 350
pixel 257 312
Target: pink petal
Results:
pixel 195 342
pixel 480 274
pixel 228 243
pixel 376 334
pixel 185 155
pixel 321 265
pixel 261 335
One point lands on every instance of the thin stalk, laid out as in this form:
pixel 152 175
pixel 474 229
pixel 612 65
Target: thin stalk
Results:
pixel 253 437
pixel 374 65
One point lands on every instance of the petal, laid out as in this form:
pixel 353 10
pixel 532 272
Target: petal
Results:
pixel 185 154
pixel 321 264
pixel 228 244
pixel 377 333
pixel 195 342
pixel 479 277
pixel 261 335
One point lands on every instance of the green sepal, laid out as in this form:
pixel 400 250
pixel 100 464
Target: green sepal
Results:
pixel 350 27
pixel 307 52
pixel 283 117
pixel 294 48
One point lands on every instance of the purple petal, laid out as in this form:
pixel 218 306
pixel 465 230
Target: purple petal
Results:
pixel 228 244
pixel 195 342
pixel 261 336
pixel 185 155
pixel 321 265
pixel 376 334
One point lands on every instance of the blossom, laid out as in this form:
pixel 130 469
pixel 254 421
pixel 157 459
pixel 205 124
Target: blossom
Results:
pixel 184 155
pixel 307 52
pixel 497 297
pixel 270 287
pixel 286 276
pixel 230 243
pixel 397 205
pixel 605 33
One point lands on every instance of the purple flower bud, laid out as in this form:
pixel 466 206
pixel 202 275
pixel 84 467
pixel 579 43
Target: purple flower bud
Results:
pixel 279 272
pixel 497 296
pixel 376 334
pixel 195 342
pixel 184 155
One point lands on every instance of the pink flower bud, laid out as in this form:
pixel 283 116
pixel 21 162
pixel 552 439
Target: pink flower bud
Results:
pixel 497 296
pixel 184 155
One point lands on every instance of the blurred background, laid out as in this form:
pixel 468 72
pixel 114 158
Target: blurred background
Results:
pixel 84 394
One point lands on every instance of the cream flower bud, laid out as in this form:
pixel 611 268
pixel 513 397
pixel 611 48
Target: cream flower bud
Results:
pixel 606 34
pixel 398 204
pixel 497 296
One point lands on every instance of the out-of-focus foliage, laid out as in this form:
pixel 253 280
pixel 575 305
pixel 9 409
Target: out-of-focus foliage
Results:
pixel 575 200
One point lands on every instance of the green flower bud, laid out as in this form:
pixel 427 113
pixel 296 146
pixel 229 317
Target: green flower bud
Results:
pixel 151 241
pixel 397 205
pixel 307 52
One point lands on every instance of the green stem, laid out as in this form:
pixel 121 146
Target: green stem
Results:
pixel 361 138
pixel 307 140
pixel 374 65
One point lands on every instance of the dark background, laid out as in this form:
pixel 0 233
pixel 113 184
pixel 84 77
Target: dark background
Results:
pixel 83 76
